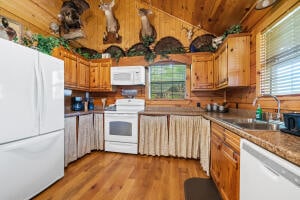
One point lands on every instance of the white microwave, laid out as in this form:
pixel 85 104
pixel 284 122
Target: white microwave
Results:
pixel 127 75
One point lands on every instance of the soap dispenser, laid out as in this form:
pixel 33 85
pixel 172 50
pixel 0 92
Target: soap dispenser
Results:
pixel 258 115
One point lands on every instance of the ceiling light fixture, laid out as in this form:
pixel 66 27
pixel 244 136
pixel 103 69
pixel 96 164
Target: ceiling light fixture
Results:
pixel 262 4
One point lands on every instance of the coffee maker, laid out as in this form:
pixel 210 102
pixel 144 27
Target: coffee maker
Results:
pixel 91 104
pixel 77 104
pixel 292 123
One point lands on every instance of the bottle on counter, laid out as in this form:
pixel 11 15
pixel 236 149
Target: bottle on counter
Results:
pixel 258 115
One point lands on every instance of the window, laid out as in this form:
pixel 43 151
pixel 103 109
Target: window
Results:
pixel 280 56
pixel 167 81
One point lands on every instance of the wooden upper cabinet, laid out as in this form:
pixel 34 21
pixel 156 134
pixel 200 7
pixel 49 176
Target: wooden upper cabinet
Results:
pixel 239 61
pixel 202 77
pixel 232 61
pixel 94 76
pixel 100 75
pixel 83 74
pixel 225 161
pixel 105 83
pixel 222 67
pixel 70 68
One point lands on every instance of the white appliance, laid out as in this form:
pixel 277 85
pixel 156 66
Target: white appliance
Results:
pixel 131 75
pixel 264 176
pixel 32 121
pixel 121 126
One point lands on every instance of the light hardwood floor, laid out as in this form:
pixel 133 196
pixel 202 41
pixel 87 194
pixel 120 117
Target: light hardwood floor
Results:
pixel 112 176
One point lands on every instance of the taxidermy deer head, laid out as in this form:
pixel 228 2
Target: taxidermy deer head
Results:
pixel 112 24
pixel 70 14
pixel 147 29
pixel 189 32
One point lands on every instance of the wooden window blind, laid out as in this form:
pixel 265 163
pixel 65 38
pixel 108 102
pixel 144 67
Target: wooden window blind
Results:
pixel 280 56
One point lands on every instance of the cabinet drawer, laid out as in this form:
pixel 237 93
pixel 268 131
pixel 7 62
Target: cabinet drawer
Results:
pixel 218 130
pixel 232 140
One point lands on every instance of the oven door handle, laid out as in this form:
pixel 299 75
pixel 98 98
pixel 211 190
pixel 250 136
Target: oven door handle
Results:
pixel 117 115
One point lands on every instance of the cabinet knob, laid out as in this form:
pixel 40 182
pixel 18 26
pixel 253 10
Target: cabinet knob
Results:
pixel 231 49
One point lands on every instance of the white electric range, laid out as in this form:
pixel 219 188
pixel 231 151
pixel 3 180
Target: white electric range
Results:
pixel 121 126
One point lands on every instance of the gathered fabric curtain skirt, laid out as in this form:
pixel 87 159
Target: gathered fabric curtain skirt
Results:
pixel 205 145
pixel 154 135
pixel 184 136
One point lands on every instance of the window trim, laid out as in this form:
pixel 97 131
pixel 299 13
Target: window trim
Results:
pixel 271 20
pixel 187 81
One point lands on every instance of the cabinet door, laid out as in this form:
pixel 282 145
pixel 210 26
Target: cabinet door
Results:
pixel 216 70
pixel 215 167
pixel 230 173
pixel 70 69
pixel 105 83
pixel 202 72
pixel 83 73
pixel 222 71
pixel 239 61
pixel 94 76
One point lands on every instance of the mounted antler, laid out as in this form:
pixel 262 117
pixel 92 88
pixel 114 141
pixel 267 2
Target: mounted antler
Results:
pixel 112 25
pixel 189 32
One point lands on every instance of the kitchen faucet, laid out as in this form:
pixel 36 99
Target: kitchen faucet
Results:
pixel 278 104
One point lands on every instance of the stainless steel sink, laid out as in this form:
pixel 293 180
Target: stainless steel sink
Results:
pixel 252 124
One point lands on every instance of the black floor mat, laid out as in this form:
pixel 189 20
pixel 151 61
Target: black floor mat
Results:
pixel 200 189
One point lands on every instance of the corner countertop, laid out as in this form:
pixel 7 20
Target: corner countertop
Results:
pixel 284 145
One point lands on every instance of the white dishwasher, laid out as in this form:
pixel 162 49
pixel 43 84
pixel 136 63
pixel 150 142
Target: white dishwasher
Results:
pixel 265 176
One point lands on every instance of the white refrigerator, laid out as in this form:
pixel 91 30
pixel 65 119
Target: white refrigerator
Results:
pixel 31 121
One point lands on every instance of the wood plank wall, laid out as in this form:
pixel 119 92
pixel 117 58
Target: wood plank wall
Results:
pixel 37 15
pixel 255 22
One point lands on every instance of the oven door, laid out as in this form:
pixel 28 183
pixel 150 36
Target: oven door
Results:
pixel 121 127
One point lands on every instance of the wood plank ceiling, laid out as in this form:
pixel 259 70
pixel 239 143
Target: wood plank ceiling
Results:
pixel 214 16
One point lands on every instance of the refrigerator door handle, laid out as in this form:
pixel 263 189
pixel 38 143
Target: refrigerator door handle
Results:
pixel 43 94
pixel 36 92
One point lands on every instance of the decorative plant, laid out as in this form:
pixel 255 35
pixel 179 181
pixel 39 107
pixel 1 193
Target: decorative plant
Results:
pixel 117 55
pixel 45 44
pixel 148 40
pixel 237 28
pixel 89 55
pixel 150 56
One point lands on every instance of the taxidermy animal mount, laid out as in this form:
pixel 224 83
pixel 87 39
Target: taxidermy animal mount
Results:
pixel 147 30
pixel 69 17
pixel 189 32
pixel 6 31
pixel 112 25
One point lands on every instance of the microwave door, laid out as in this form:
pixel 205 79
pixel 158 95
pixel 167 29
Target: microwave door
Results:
pixel 122 78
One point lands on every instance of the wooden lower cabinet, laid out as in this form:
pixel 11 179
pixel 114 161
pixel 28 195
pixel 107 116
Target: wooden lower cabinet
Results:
pixel 225 162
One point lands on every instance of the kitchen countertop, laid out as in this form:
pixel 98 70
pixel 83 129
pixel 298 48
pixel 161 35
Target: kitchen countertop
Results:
pixel 70 113
pixel 172 110
pixel 284 145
